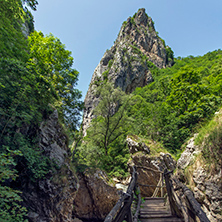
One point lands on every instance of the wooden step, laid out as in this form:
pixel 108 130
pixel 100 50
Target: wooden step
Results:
pixel 157 215
pixel 155 210
pixel 149 211
pixel 171 219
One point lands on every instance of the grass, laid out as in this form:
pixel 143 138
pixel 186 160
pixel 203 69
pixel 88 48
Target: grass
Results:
pixel 210 138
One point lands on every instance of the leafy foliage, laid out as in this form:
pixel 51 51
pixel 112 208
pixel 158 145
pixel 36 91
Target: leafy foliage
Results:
pixel 12 41
pixel 35 75
pixel 25 98
pixel 10 208
pixel 180 97
pixel 211 141
pixel 53 63
pixel 104 145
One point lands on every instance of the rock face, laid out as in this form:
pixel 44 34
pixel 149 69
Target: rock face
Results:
pixel 206 185
pixel 136 147
pixel 188 156
pixel 95 198
pixel 129 61
pixel 148 166
pixel 51 198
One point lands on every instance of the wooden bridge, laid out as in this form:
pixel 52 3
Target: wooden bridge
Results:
pixel 176 205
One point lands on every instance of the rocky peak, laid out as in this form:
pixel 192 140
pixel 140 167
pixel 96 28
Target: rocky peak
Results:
pixel 141 17
pixel 127 63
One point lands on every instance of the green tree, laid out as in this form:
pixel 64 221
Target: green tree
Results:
pixel 50 59
pixel 104 146
pixel 111 119
pixel 25 96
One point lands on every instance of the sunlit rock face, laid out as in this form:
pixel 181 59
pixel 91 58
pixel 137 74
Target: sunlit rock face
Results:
pixel 126 64
pixel 205 183
pixel 149 167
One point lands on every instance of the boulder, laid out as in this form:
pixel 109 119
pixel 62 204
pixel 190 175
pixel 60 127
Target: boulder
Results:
pixel 149 167
pixel 95 197
pixel 188 155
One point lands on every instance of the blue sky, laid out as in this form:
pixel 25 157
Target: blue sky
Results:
pixel 89 27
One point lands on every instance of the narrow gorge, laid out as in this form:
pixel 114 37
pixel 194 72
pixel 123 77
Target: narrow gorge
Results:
pixel 144 108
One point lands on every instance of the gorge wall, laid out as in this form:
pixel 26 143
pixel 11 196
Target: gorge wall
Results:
pixel 204 179
pixel 127 64
pixel 51 197
pixel 62 194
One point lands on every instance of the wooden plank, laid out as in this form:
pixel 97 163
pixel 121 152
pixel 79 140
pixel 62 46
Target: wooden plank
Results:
pixel 195 206
pixel 169 191
pixel 124 210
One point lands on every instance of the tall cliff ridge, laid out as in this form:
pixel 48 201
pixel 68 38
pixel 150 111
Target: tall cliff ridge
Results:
pixel 128 63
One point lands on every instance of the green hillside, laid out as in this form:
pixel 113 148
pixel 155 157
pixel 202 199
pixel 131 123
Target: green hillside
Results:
pixel 179 99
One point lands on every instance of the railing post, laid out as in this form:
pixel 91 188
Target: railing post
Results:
pixel 194 205
pixel 129 216
pixel 169 191
pixel 162 184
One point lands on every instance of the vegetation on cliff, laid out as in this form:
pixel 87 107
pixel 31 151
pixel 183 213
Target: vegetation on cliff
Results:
pixel 179 99
pixel 168 108
pixel 176 104
pixel 36 76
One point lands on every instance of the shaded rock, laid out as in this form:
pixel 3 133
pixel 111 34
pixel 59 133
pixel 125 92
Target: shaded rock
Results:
pixel 95 198
pixel 199 195
pixel 51 198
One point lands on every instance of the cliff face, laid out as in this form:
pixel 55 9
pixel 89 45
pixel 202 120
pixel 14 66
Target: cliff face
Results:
pixel 61 195
pixel 204 181
pixel 51 198
pixel 127 63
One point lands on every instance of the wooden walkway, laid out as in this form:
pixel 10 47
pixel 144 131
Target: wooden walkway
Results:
pixel 155 210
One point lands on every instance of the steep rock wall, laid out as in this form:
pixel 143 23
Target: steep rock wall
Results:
pixel 206 184
pixel 126 64
pixel 51 198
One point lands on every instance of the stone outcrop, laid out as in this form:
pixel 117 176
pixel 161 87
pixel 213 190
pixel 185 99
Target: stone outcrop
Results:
pixel 51 198
pixel 128 63
pixel 149 166
pixel 137 146
pixel 205 183
pixel 95 197
pixel 188 156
